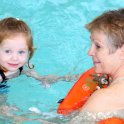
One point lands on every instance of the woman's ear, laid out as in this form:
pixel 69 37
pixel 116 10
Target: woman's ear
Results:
pixel 122 52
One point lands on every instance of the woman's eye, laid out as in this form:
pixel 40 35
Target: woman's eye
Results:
pixel 98 46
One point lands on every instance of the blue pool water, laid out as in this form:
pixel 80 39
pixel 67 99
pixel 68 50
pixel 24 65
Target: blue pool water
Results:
pixel 62 44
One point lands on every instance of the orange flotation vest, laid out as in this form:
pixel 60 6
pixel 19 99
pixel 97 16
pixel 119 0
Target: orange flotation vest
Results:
pixel 113 120
pixel 79 93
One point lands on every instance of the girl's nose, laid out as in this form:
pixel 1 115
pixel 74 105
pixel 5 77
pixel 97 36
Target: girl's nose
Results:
pixel 14 56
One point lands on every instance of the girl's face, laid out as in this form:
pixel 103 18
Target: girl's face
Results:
pixel 104 62
pixel 13 52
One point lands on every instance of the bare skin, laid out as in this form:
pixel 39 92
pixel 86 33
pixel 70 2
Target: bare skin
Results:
pixel 46 80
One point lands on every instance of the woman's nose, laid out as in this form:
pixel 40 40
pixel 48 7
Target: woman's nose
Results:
pixel 91 51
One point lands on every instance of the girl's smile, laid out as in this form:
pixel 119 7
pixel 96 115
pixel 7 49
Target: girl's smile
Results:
pixel 13 65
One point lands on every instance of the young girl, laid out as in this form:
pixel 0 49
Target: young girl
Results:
pixel 16 49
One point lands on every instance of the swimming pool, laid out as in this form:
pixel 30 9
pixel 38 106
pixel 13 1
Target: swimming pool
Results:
pixel 62 44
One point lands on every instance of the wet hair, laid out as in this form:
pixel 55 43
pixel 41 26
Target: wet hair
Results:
pixel 112 24
pixel 11 26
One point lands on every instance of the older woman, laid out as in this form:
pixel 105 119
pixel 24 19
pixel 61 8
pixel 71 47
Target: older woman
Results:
pixel 107 52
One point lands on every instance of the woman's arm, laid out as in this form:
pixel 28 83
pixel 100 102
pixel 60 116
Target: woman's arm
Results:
pixel 100 101
pixel 107 99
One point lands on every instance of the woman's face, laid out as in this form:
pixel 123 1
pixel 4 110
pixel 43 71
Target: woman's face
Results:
pixel 104 61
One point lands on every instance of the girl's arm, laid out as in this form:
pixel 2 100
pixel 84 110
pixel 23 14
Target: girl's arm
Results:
pixel 49 79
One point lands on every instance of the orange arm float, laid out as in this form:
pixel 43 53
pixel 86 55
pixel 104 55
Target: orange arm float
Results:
pixel 79 93
pixel 113 120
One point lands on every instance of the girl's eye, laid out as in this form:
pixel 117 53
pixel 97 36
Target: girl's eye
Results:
pixel 7 51
pixel 21 52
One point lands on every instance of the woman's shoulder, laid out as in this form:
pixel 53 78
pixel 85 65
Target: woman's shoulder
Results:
pixel 111 92
pixel 101 100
